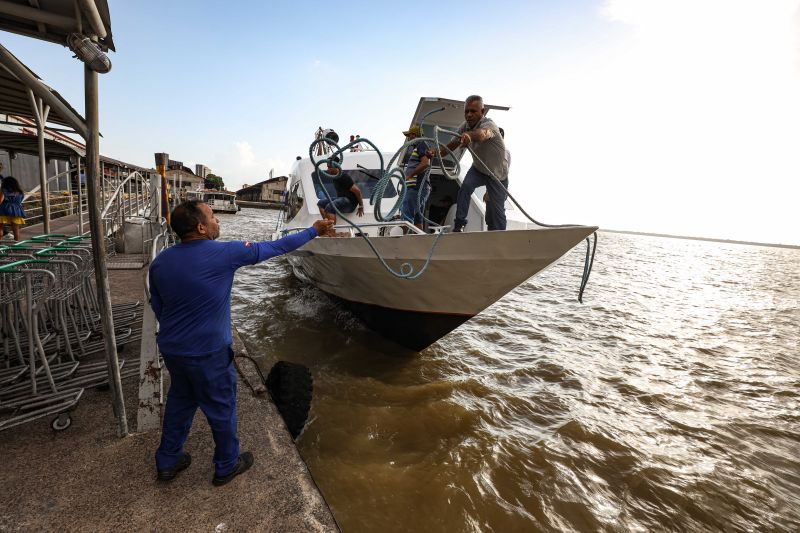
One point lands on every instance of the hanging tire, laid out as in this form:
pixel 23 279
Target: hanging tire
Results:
pixel 60 425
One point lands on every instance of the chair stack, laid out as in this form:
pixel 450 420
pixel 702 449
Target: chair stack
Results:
pixel 50 326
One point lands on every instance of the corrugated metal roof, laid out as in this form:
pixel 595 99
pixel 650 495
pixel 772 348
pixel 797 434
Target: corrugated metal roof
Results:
pixel 29 144
pixel 53 20
pixel 14 99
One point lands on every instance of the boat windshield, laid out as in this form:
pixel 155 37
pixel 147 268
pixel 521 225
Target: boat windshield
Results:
pixel 365 179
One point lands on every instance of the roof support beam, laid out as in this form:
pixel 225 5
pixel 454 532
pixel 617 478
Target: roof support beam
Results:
pixel 37 15
pixel 42 28
pixel 90 10
pixel 40 111
pixel 24 75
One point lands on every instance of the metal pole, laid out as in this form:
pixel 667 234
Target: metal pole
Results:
pixel 69 188
pixel 99 247
pixel 103 182
pixel 42 111
pixel 80 200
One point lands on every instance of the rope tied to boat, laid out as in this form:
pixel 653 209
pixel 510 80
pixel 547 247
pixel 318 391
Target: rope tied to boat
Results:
pixel 387 172
pixel 590 244
pixel 406 270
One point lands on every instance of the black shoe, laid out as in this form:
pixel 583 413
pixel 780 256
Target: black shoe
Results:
pixel 170 473
pixel 244 464
pixel 458 228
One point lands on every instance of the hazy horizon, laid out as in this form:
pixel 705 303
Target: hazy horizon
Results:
pixel 674 117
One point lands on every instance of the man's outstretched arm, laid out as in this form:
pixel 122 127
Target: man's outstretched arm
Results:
pixel 246 253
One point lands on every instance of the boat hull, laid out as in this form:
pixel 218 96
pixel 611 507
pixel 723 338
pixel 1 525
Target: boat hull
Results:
pixel 232 210
pixel 467 273
pixel 411 329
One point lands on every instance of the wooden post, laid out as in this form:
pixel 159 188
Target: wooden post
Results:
pixel 162 159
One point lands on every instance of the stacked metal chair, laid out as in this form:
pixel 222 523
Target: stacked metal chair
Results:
pixel 49 322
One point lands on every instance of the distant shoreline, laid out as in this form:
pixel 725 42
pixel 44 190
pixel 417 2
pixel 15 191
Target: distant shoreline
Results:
pixel 726 241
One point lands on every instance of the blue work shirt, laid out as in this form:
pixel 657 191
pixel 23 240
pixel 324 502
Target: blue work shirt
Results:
pixel 190 290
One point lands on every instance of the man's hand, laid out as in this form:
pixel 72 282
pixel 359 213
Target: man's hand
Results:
pixel 431 153
pixel 360 211
pixel 466 139
pixel 323 226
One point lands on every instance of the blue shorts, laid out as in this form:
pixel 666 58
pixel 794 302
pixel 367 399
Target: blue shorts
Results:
pixel 343 204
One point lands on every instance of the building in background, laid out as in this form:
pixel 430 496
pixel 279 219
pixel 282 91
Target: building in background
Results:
pixel 202 170
pixel 270 190
pixel 180 180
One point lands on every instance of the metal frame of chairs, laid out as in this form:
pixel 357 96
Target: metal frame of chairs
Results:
pixel 50 321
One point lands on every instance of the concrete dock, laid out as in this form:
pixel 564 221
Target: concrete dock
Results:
pixel 87 479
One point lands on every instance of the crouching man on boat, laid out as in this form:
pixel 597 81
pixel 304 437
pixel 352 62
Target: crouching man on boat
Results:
pixel 190 288
pixel 348 196
pixel 483 136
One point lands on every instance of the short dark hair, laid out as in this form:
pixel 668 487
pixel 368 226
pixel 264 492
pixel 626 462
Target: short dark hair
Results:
pixel 11 184
pixel 334 160
pixel 474 98
pixel 185 218
pixel 502 133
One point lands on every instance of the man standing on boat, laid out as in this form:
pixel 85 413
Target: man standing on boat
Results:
pixel 508 166
pixel 348 196
pixel 482 135
pixel 190 289
pixel 415 167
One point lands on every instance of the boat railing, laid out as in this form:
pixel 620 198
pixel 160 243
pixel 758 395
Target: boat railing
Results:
pixel 383 228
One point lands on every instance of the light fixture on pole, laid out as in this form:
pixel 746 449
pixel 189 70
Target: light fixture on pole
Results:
pixel 89 52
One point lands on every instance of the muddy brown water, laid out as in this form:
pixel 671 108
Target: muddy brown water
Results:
pixel 670 400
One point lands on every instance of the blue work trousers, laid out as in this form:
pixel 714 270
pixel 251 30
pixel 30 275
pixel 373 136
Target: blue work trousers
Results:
pixel 495 207
pixel 207 382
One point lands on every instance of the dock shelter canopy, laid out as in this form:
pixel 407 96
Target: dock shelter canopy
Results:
pixel 86 26
pixel 53 20
pixel 29 144
pixel 15 95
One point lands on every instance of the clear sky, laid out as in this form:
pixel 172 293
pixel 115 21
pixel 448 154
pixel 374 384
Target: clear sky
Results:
pixel 670 116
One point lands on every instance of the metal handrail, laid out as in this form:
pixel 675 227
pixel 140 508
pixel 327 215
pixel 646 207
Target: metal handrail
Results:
pixel 153 252
pixel 397 223
pixel 36 189
pixel 117 191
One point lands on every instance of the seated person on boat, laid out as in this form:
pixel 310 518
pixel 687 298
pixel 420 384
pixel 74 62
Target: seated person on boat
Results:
pixel 347 195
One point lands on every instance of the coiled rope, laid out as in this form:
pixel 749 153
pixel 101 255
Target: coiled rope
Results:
pixel 406 270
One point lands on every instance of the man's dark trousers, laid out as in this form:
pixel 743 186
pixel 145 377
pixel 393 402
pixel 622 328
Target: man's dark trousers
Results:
pixel 207 382
pixel 495 208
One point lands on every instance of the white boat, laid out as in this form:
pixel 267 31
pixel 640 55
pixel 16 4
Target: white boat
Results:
pixel 467 272
pixel 218 201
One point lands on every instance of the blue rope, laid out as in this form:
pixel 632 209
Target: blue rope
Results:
pixel 588 261
pixel 406 270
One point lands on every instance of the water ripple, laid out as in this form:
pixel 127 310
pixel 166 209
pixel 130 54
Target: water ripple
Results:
pixel 670 399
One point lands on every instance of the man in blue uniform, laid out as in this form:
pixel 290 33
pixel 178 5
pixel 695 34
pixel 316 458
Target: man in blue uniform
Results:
pixel 190 289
